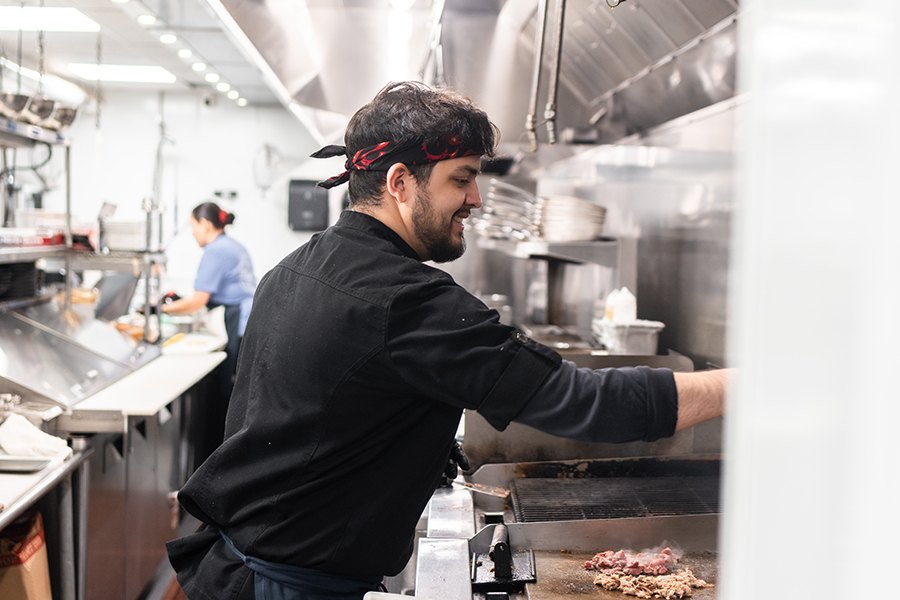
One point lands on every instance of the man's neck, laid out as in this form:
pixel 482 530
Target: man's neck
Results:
pixel 387 213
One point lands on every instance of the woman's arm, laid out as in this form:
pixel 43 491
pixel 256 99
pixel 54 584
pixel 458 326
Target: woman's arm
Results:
pixel 701 396
pixel 188 305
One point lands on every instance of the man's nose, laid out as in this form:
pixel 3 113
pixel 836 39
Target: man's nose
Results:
pixel 474 197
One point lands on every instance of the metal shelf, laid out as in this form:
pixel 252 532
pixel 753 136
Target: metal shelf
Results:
pixel 114 261
pixel 604 251
pixel 16 304
pixel 17 254
pixel 14 134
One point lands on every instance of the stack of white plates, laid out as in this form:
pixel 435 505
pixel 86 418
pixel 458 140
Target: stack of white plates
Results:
pixel 508 212
pixel 567 219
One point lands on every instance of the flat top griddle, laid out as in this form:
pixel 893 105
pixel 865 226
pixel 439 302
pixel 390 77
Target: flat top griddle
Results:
pixel 560 576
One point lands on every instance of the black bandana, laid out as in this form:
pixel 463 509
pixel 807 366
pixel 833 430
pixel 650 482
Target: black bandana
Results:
pixel 381 156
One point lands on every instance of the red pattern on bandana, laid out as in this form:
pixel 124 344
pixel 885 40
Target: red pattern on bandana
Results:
pixel 381 156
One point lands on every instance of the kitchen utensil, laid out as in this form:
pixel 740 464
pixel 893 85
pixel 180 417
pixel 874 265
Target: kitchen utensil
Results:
pixel 480 488
pixel 22 464
pixel 61 118
pixel 39 109
pixel 12 104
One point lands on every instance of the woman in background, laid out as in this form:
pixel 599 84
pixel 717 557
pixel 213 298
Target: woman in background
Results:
pixel 224 278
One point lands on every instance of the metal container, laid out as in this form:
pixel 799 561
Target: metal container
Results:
pixel 130 236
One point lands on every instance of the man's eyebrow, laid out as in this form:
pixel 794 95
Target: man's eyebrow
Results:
pixel 469 170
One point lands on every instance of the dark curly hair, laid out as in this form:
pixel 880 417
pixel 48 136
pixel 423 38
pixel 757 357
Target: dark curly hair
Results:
pixel 408 111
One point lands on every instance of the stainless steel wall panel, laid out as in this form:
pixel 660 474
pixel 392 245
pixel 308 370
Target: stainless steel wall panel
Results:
pixel 633 19
pixel 680 25
pixel 709 12
pixel 620 42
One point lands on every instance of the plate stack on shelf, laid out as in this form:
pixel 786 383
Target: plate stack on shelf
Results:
pixel 567 219
pixel 508 213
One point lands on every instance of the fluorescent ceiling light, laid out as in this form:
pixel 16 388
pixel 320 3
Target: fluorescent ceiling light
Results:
pixel 146 19
pixel 185 53
pixel 242 102
pixel 34 18
pixel 168 38
pixel 233 95
pixel 212 77
pixel 122 73
pixel 198 67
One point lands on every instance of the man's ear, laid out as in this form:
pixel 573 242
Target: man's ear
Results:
pixel 397 183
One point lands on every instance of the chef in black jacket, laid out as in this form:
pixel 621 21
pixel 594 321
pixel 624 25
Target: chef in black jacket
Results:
pixel 358 360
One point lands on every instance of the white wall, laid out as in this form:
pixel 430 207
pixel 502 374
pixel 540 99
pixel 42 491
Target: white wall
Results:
pixel 812 482
pixel 217 147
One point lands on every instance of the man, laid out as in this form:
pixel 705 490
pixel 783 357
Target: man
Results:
pixel 358 361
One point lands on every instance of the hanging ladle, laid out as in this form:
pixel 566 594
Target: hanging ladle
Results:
pixel 41 107
pixel 12 103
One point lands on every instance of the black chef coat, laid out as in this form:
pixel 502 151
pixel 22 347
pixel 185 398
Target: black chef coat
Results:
pixel 356 364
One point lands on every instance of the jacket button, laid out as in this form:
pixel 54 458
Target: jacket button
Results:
pixel 521 338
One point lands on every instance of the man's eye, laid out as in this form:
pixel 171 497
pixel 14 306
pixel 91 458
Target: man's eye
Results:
pixel 462 182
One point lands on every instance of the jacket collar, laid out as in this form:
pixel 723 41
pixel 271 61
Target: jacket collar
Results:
pixel 369 224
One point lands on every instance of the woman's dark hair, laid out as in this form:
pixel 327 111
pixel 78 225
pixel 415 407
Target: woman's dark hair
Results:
pixel 212 213
pixel 408 111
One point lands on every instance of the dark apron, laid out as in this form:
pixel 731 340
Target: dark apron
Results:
pixel 209 429
pixel 232 327
pixel 275 581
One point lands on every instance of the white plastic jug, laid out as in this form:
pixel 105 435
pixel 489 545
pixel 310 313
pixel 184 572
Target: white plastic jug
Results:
pixel 624 306
pixel 610 308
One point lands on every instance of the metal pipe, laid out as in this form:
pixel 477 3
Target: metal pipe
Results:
pixel 81 478
pixel 66 550
pixel 68 196
pixel 539 32
pixel 550 110
pixel 5 172
pixel 435 55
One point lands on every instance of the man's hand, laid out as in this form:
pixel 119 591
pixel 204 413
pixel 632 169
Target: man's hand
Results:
pixel 456 461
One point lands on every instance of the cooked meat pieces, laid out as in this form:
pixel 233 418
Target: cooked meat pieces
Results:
pixel 668 587
pixel 647 562
pixel 646 574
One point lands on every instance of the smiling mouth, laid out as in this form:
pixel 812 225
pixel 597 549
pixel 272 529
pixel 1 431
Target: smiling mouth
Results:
pixel 460 218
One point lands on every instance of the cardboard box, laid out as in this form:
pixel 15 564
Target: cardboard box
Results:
pixel 24 571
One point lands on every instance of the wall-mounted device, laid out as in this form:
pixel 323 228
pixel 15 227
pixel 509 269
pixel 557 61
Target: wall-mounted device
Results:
pixel 307 206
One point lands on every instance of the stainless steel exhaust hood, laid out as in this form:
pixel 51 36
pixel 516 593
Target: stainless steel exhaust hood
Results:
pixel 623 70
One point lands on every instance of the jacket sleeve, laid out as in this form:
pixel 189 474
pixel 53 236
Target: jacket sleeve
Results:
pixel 604 405
pixel 450 347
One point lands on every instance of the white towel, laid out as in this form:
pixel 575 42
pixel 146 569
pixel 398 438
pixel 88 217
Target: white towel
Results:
pixel 18 437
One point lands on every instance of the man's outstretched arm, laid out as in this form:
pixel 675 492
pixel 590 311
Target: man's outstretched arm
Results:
pixel 701 396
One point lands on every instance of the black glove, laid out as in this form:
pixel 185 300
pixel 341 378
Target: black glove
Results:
pixel 456 461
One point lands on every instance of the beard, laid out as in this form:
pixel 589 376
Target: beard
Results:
pixel 437 237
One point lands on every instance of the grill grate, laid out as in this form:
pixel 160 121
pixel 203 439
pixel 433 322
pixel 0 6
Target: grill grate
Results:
pixel 535 499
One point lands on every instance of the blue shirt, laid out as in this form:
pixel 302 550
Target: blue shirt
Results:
pixel 226 274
